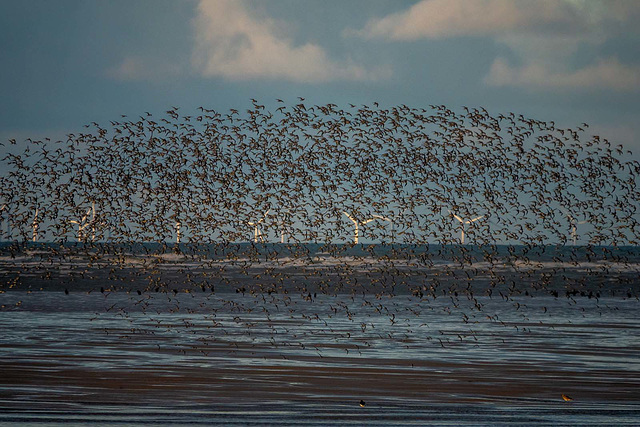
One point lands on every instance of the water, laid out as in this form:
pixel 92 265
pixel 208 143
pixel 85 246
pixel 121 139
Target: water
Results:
pixel 300 334
pixel 228 358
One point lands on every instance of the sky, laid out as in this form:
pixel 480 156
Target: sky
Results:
pixel 67 63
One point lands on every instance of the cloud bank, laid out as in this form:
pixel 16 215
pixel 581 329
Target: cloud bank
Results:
pixel 604 74
pixel 450 18
pixel 543 36
pixel 237 43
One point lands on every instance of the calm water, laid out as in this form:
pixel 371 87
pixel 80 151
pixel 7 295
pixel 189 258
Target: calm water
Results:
pixel 228 358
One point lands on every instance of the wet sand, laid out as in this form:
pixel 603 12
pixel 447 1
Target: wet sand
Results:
pixel 329 392
pixel 74 361
pixel 335 380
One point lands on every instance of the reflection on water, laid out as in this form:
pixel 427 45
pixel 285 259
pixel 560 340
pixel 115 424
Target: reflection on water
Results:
pixel 79 357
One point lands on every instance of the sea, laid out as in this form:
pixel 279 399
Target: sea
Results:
pixel 312 334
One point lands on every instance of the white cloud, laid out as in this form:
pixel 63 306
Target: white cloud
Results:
pixel 448 18
pixel 233 42
pixel 544 36
pixel 604 74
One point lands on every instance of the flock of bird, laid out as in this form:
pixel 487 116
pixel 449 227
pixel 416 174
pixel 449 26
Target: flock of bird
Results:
pixel 159 205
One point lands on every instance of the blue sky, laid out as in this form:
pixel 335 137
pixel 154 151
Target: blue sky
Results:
pixel 66 63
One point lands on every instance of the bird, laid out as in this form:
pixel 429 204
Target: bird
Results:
pixel 158 176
